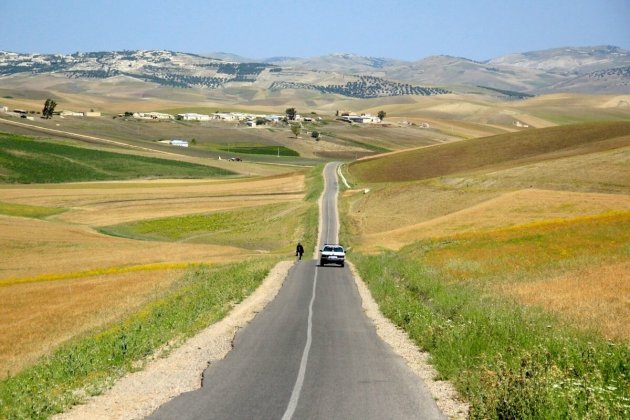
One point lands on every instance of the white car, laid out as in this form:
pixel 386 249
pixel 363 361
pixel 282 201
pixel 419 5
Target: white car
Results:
pixel 332 254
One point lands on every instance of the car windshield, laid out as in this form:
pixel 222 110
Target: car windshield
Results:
pixel 338 249
pixel 328 248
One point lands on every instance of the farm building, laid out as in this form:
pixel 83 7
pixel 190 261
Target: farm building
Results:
pixel 191 116
pixel 67 113
pixel 152 116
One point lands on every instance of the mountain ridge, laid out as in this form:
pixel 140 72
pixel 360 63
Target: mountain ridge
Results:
pixel 596 69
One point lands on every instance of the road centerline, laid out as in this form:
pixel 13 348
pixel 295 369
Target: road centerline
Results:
pixel 297 387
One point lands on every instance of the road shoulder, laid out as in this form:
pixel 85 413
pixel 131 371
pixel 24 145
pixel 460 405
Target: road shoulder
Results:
pixel 138 394
pixel 445 395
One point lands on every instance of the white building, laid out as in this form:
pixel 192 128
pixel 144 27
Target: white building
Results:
pixel 361 119
pixel 224 116
pixel 152 116
pixel 67 113
pixel 4 108
pixel 191 116
pixel 176 142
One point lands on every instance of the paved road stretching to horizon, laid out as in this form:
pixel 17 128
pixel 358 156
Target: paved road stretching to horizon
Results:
pixel 311 354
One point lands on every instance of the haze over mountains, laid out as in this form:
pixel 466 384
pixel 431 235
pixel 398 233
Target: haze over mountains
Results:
pixel 592 70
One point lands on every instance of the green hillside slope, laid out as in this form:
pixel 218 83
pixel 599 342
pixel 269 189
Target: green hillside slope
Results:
pixel 25 160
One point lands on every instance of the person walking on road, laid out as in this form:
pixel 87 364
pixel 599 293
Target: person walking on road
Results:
pixel 299 251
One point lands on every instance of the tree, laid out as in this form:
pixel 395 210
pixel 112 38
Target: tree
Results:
pixel 315 134
pixel 291 113
pixel 295 129
pixel 49 108
pixel 382 114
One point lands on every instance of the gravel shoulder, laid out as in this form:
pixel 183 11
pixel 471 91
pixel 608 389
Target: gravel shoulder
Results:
pixel 138 394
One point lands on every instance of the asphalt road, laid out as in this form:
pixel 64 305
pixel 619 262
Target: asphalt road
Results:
pixel 311 354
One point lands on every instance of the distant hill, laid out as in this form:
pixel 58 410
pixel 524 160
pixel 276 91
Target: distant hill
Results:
pixel 181 70
pixel 600 69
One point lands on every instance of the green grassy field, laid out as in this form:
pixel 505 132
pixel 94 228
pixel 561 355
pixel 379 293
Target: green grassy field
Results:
pixel 26 160
pixel 261 150
pixel 527 146
pixel 256 228
pixel 22 210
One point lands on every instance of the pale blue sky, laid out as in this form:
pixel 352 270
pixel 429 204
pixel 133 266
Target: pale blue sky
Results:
pixel 403 29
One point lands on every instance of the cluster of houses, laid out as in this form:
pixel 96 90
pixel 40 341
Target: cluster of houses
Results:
pixel 250 119
pixel 25 114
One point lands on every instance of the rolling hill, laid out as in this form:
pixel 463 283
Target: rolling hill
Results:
pixel 503 150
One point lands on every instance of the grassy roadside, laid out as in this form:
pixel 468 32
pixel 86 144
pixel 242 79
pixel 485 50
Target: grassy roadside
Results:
pixel 90 364
pixel 509 360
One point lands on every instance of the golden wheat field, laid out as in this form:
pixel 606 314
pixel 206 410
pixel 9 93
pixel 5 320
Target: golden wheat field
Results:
pixel 60 277
pixel 590 290
pixel 508 209
pixel 598 296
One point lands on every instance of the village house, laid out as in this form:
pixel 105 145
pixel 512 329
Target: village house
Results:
pixel 191 116
pixel 224 116
pixel 359 119
pixel 152 116
pixel 66 113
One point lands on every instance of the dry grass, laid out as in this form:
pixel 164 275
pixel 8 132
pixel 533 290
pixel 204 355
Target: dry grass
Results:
pixel 37 317
pixel 510 209
pixel 36 248
pixel 107 203
pixel 59 277
pixel 597 298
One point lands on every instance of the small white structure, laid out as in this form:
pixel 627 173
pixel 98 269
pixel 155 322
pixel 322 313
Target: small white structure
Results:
pixel 151 116
pixel 4 108
pixel 176 142
pixel 92 114
pixel 67 113
pixel 191 116
pixel 180 143
pixel 224 116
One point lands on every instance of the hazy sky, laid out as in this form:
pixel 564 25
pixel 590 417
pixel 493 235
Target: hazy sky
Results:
pixel 404 29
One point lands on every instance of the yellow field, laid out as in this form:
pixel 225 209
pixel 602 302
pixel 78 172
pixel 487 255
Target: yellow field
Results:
pixel 475 208
pixel 37 317
pixel 598 296
pixel 59 277
pixel 509 209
